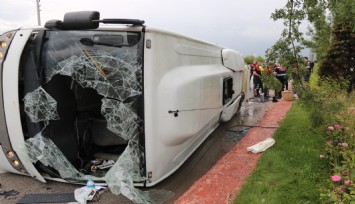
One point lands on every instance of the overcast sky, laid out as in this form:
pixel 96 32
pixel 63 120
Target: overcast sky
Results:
pixel 243 25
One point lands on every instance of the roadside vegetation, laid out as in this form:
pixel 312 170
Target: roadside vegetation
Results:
pixel 291 171
pixel 332 108
pixel 313 160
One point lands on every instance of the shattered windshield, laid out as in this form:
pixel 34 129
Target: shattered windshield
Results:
pixel 114 72
pixel 83 104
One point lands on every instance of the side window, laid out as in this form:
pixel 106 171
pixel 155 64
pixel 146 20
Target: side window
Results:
pixel 227 89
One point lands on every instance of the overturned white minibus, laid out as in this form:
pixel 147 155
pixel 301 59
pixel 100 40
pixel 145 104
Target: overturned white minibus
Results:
pixel 124 103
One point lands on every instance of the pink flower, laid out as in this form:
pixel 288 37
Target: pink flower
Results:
pixel 344 144
pixel 331 128
pixel 321 156
pixel 347 182
pixel 335 178
pixel 337 126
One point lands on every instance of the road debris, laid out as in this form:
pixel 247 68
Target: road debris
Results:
pixel 261 146
pixel 47 198
pixel 90 192
pixel 11 194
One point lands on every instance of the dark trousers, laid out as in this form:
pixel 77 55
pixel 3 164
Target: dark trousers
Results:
pixel 283 80
pixel 257 85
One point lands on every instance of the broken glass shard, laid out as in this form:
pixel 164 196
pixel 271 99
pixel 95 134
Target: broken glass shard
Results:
pixel 120 118
pixel 43 149
pixel 40 106
pixel 126 170
pixel 109 74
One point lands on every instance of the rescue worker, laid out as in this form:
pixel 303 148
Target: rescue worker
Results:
pixel 257 79
pixel 282 77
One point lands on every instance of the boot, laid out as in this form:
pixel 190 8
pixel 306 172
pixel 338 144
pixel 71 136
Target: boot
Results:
pixel 257 93
pixel 274 100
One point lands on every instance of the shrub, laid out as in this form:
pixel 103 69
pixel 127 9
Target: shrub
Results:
pixel 339 149
pixel 269 80
pixel 325 101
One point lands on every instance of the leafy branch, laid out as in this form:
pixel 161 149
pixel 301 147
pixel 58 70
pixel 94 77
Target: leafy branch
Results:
pixel 287 49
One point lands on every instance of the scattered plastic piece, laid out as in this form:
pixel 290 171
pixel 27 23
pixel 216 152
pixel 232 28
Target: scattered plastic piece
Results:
pixel 90 192
pixel 9 194
pixel 90 184
pixel 261 146
pixel 106 164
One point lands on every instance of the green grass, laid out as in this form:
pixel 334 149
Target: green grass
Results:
pixel 314 77
pixel 290 171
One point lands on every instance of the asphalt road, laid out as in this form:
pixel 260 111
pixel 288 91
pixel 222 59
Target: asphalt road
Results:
pixel 214 147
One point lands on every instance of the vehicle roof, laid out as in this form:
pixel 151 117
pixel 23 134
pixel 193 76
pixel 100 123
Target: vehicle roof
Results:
pixel 138 28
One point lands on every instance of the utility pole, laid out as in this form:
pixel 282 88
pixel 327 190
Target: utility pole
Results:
pixel 38 12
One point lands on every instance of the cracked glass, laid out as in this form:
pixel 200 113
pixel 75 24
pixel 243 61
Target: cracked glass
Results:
pixel 121 176
pixel 121 119
pixel 40 148
pixel 112 72
pixel 111 64
pixel 40 106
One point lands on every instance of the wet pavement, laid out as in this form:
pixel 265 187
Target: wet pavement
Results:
pixel 222 140
pixel 226 178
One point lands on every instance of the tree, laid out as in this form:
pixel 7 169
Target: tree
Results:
pixel 260 59
pixel 339 59
pixel 320 31
pixel 332 37
pixel 249 59
pixel 287 49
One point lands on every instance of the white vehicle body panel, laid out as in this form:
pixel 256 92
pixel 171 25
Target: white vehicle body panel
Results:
pixel 181 75
pixel 183 86
pixel 10 92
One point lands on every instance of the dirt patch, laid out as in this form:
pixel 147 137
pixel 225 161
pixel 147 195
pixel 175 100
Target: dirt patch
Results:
pixel 221 183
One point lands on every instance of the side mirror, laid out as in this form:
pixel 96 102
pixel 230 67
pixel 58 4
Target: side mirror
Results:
pixel 84 20
pixel 81 20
